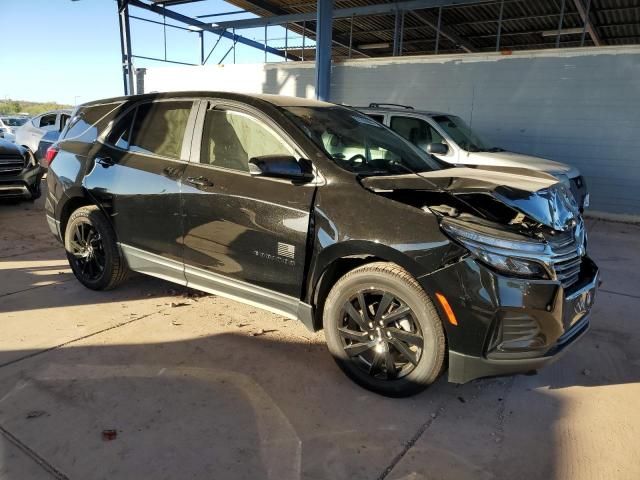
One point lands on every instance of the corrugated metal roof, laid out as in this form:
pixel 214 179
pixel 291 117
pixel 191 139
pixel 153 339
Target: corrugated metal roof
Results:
pixel 616 22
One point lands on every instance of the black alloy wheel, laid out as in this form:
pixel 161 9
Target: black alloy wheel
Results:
pixel 380 333
pixel 92 250
pixel 383 331
pixel 87 251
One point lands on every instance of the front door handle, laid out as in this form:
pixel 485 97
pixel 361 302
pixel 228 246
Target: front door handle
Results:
pixel 105 161
pixel 200 181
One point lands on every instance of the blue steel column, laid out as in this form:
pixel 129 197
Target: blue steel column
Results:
pixel 125 46
pixel 323 49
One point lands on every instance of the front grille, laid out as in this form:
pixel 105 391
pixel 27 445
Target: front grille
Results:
pixel 568 248
pixel 11 166
pixel 568 272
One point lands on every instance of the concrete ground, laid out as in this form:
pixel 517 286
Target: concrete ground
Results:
pixel 203 387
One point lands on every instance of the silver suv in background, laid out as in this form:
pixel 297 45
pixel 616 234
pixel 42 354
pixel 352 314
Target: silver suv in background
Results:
pixel 451 140
pixel 40 132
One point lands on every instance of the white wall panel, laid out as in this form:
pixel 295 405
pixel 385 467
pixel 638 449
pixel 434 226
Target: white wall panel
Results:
pixel 579 106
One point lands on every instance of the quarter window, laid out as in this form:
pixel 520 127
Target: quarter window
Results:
pixel 89 121
pixel 121 133
pixel 417 131
pixel 376 117
pixel 230 139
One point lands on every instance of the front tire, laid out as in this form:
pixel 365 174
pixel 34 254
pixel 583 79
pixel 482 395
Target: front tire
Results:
pixel 383 330
pixel 92 250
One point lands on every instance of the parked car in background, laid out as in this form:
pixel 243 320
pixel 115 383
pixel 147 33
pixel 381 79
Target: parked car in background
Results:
pixel 20 173
pixel 317 212
pixel 48 124
pixel 451 140
pixel 9 125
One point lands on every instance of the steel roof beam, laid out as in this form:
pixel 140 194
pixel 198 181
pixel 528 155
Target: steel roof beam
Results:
pixel 377 9
pixel 337 39
pixel 432 20
pixel 206 26
pixel 588 23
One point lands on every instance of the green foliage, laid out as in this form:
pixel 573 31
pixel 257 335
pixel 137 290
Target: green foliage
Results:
pixel 11 107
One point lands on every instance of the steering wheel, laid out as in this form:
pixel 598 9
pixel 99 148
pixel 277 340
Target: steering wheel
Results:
pixel 352 161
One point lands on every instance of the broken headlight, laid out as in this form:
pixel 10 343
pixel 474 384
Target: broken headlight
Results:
pixel 506 252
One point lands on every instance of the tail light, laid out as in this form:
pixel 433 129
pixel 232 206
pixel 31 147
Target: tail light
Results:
pixel 52 151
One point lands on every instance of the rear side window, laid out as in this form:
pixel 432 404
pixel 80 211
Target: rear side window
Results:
pixel 153 128
pixel 47 120
pixel 64 119
pixel 230 139
pixel 417 131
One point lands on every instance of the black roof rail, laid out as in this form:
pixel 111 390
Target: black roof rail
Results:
pixel 378 105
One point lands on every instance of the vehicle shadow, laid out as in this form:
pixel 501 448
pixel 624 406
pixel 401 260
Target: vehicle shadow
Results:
pixel 233 405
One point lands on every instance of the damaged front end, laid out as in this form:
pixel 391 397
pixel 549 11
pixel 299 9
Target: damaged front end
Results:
pixel 524 289
pixel 524 224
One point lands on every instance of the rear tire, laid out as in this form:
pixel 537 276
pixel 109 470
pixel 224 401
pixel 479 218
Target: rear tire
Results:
pixel 92 250
pixel 395 345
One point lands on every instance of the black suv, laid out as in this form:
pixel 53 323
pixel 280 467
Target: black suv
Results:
pixel 317 212
pixel 20 173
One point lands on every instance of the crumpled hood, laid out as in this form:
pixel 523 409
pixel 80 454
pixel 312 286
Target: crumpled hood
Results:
pixel 518 160
pixel 537 195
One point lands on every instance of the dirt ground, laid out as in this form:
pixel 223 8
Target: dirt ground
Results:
pixel 149 382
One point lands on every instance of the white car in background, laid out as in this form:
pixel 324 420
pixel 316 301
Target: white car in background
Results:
pixel 451 140
pixel 49 124
pixel 9 125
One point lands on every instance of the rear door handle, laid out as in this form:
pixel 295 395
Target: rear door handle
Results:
pixel 200 181
pixel 105 161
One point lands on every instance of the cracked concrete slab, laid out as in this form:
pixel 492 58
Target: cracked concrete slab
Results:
pixel 15 463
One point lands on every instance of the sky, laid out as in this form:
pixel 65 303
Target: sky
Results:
pixel 69 51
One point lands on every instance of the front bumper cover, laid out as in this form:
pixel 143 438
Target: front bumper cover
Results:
pixel 509 325
pixel 464 368
pixel 21 185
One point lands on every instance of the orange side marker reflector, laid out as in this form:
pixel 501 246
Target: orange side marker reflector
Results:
pixel 447 309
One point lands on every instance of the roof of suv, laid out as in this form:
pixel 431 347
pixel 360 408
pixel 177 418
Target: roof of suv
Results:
pixel 277 100
pixel 48 112
pixel 398 109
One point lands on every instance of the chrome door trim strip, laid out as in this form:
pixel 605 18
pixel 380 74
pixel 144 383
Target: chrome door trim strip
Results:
pixel 158 266
pixel 154 265
pixel 244 292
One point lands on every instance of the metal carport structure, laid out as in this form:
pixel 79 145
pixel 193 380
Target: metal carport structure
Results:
pixel 370 28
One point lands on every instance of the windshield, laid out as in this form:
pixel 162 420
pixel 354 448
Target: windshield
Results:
pixel 358 143
pixel 14 122
pixel 461 133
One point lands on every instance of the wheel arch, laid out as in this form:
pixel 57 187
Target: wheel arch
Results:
pixel 338 259
pixel 75 199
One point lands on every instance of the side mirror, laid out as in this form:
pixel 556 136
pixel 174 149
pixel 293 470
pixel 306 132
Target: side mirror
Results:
pixel 281 166
pixel 438 148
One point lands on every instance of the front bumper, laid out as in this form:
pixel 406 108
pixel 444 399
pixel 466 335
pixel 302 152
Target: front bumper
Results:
pixel 510 325
pixel 21 185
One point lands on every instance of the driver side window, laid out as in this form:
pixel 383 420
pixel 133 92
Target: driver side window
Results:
pixel 230 139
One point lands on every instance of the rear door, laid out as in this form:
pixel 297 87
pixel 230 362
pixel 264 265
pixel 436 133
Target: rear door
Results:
pixel 241 229
pixel 137 177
